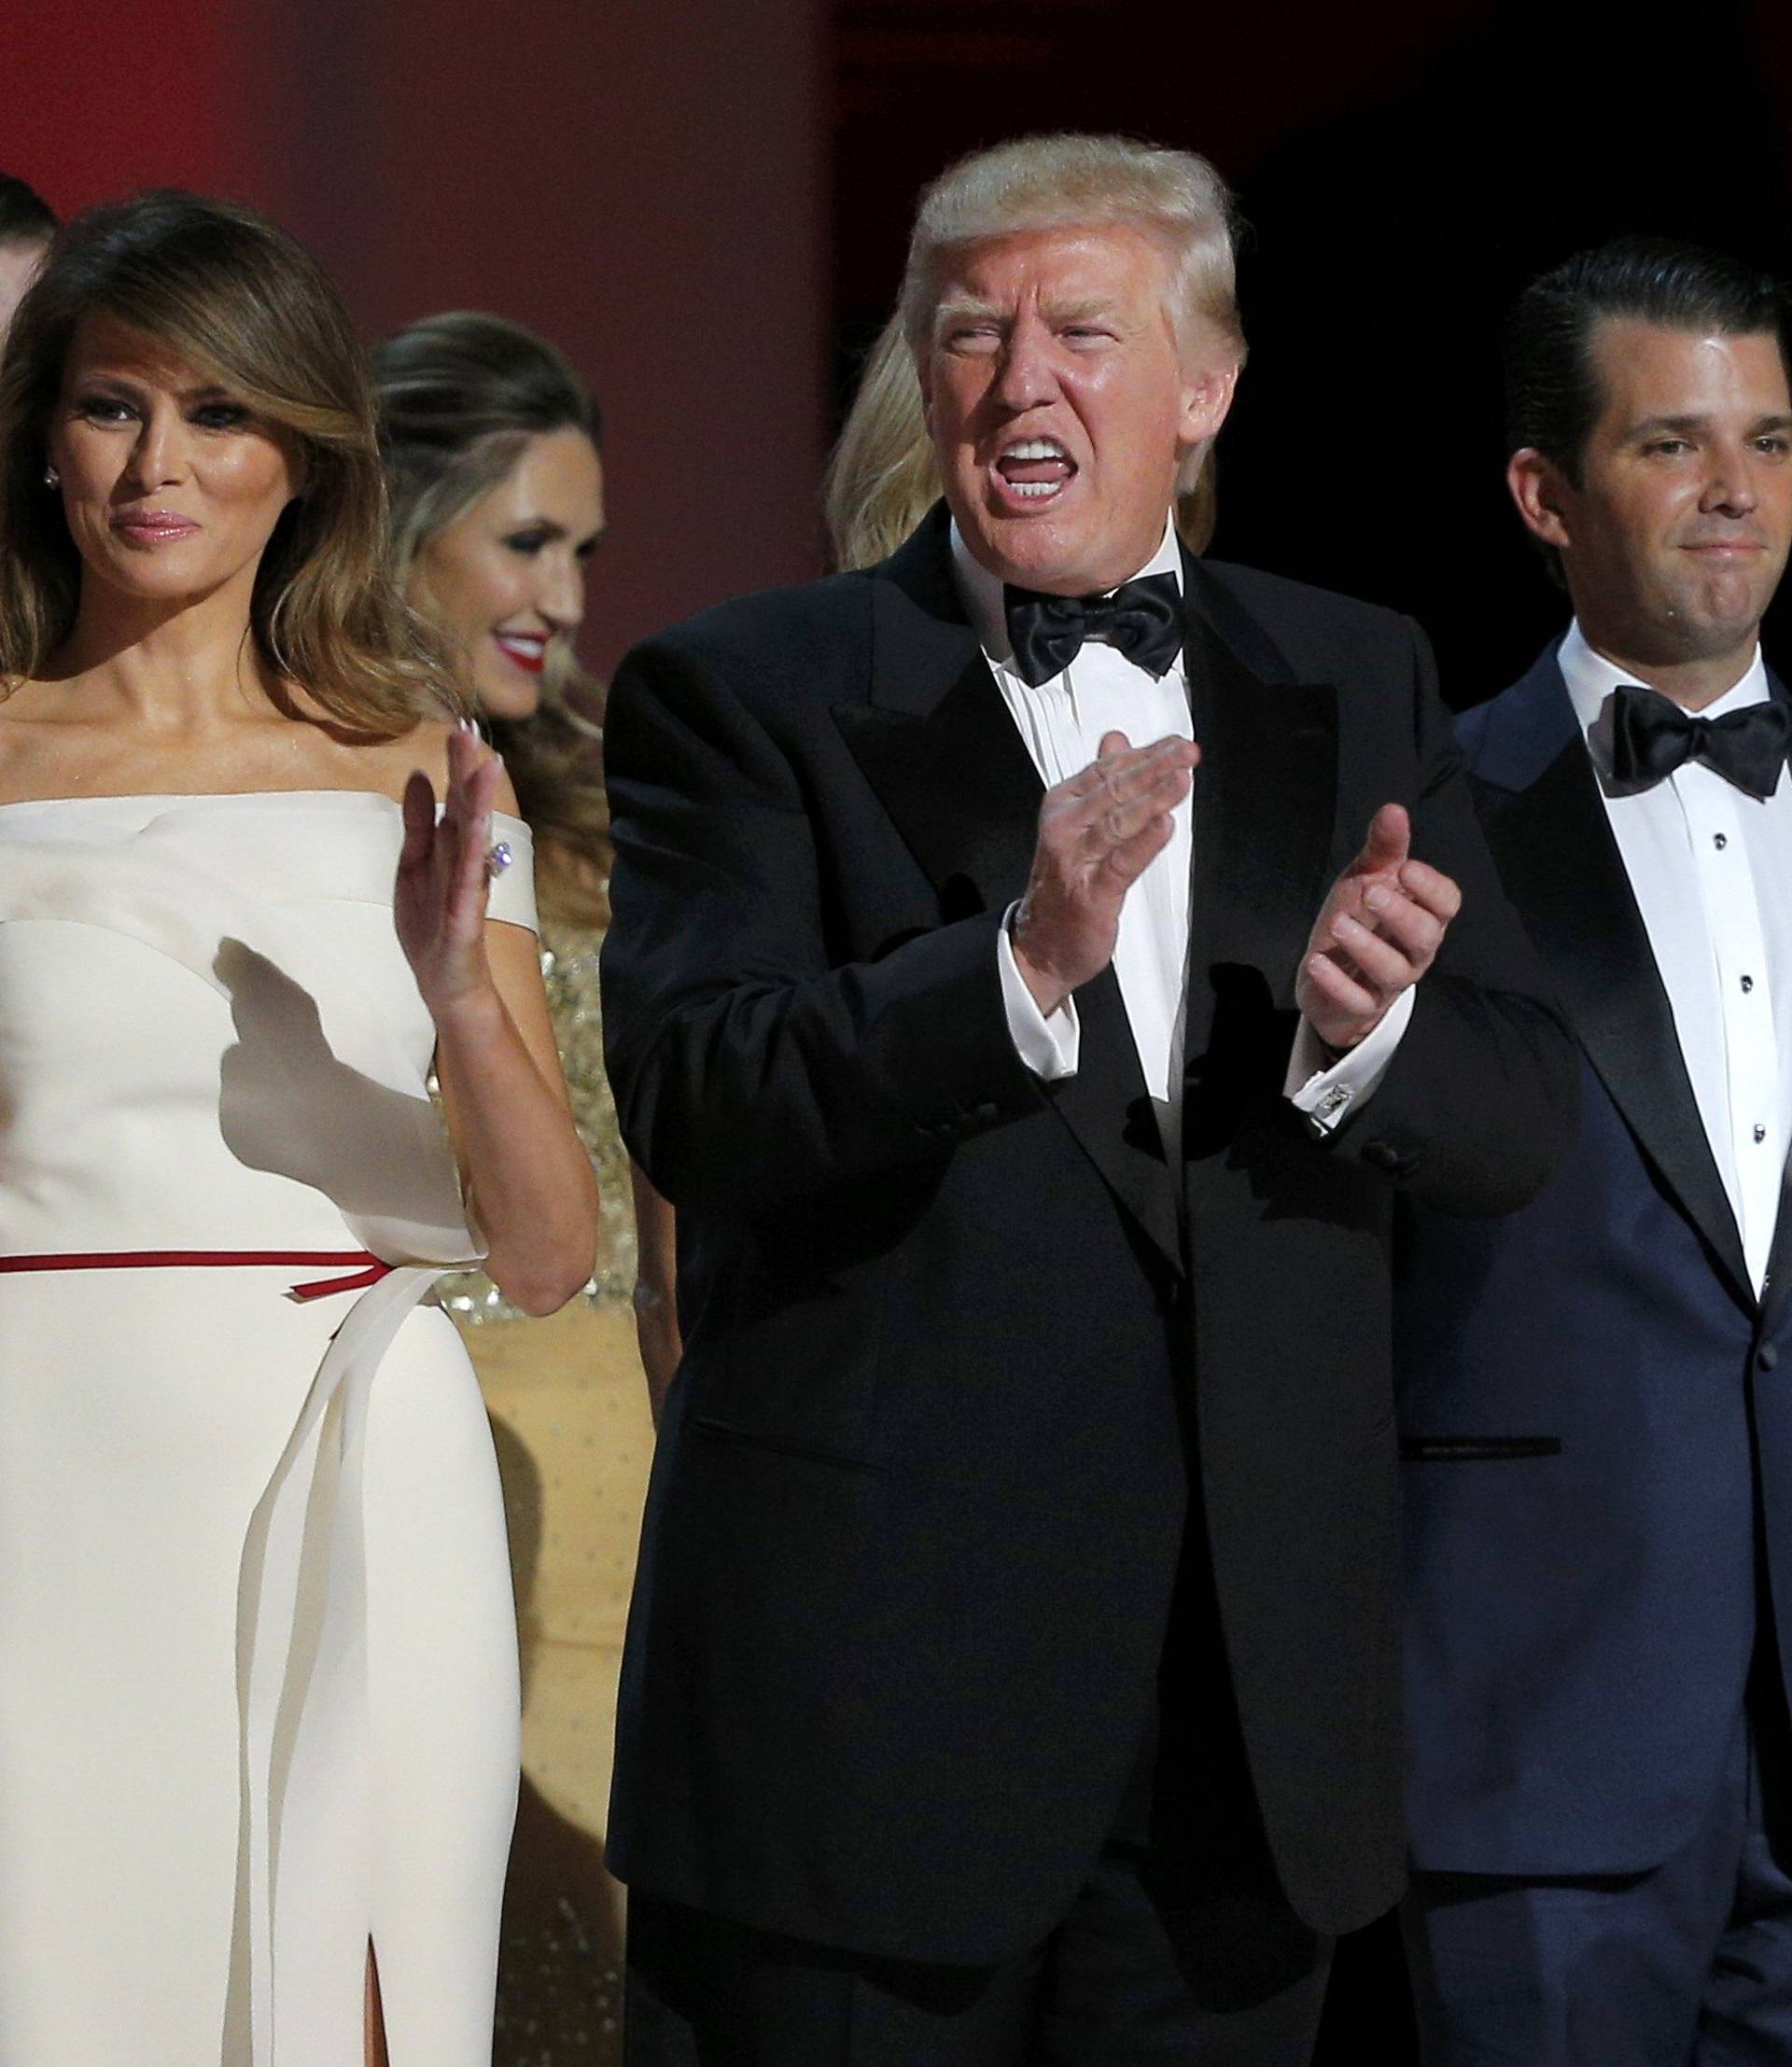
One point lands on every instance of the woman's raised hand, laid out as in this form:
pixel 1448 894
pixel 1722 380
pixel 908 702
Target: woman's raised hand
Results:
pixel 439 899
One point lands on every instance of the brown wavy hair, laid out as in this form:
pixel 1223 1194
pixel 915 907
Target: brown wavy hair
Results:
pixel 226 290
pixel 459 396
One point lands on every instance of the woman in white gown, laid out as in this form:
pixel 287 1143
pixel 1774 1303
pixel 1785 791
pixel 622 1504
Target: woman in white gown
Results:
pixel 257 1672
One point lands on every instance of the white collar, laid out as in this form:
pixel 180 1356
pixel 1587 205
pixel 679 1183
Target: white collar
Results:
pixel 981 592
pixel 1590 679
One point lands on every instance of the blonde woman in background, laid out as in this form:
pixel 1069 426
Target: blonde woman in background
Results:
pixel 497 490
pixel 882 478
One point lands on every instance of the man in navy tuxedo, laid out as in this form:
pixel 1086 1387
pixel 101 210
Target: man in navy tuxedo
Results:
pixel 1595 1414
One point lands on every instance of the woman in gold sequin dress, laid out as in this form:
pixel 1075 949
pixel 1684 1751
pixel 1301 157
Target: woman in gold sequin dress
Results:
pixel 491 443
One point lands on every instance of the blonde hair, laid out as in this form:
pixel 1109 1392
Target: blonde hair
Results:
pixel 1073 181
pixel 460 395
pixel 883 478
pixel 239 300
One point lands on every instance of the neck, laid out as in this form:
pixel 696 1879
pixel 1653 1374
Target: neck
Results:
pixel 168 666
pixel 1690 681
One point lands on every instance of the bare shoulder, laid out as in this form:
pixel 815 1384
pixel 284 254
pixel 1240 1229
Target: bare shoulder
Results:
pixel 423 750
pixel 388 765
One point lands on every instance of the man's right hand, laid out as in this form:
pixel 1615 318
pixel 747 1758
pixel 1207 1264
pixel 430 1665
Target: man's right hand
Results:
pixel 1097 834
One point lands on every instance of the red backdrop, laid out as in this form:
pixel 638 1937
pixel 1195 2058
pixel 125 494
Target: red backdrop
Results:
pixel 643 183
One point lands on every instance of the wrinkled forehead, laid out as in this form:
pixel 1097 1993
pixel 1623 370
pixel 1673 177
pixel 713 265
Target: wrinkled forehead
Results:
pixel 1113 264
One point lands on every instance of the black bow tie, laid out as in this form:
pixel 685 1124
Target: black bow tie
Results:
pixel 1651 737
pixel 1142 618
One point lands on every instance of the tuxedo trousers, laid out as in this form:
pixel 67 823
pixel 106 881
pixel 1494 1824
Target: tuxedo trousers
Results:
pixel 1690 1962
pixel 1178 1951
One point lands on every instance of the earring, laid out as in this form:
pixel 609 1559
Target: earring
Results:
pixel 52 478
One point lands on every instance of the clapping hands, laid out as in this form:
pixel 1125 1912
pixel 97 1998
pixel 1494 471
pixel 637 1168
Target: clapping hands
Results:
pixel 1376 935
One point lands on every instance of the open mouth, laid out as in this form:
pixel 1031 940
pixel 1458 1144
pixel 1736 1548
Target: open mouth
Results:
pixel 1035 469
pixel 527 651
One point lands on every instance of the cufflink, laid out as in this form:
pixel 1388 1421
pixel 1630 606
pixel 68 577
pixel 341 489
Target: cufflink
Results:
pixel 1333 1102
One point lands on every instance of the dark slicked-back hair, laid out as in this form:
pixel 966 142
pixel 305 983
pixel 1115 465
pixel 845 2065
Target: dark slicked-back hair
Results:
pixel 1552 389
pixel 25 215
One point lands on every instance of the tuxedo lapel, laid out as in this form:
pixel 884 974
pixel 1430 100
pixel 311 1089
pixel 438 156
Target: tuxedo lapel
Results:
pixel 937 745
pixel 1266 806
pixel 1779 1263
pixel 1550 833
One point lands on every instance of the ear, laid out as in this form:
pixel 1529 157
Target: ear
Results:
pixel 1206 398
pixel 1543 493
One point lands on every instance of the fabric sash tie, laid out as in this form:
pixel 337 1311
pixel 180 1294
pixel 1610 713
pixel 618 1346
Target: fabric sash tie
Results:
pixel 369 1271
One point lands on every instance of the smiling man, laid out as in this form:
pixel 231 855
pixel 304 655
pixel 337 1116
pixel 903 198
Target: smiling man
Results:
pixel 1593 1392
pixel 1038 963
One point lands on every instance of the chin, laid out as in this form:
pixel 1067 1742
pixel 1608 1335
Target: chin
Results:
pixel 1033 553
pixel 510 701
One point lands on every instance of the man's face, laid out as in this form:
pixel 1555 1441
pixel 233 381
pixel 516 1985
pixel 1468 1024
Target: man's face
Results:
pixel 1677 537
pixel 1059 405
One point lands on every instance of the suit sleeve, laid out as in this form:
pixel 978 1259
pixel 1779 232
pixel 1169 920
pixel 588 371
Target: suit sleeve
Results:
pixel 1480 1096
pixel 745 1063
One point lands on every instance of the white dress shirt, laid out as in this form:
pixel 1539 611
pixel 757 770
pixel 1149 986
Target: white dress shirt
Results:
pixel 1711 868
pixel 1062 722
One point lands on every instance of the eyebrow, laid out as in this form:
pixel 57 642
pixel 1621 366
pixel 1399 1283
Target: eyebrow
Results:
pixel 1777 420
pixel 555 529
pixel 963 310
pixel 967 309
pixel 204 391
pixel 1078 312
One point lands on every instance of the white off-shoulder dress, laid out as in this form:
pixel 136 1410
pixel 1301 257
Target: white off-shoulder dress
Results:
pixel 258 1652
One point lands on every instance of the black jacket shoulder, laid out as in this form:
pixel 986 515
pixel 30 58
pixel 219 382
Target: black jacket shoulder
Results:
pixel 785 636
pixel 1323 635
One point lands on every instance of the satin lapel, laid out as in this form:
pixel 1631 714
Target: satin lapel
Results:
pixel 1778 1282
pixel 1265 807
pixel 1778 1261
pixel 937 745
pixel 1561 869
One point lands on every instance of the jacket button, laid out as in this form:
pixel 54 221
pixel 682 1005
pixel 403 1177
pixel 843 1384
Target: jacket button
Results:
pixel 1767 1356
pixel 1382 1154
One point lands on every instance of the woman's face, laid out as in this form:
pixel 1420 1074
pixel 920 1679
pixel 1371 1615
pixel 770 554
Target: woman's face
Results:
pixel 171 484
pixel 507 578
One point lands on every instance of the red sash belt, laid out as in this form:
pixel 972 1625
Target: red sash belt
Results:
pixel 370 1271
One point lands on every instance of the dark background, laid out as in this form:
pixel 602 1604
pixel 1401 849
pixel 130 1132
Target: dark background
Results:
pixel 1403 169
pixel 706 202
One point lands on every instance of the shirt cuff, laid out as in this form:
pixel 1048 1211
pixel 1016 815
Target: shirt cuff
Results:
pixel 1326 1093
pixel 1048 1047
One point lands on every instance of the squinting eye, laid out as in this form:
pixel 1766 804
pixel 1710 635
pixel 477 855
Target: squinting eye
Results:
pixel 220 415
pixel 526 542
pixel 103 408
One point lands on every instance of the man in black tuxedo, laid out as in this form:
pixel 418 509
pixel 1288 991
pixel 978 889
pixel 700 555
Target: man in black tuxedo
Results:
pixel 1011 1669
pixel 1594 1390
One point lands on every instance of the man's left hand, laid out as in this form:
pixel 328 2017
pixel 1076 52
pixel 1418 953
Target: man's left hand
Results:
pixel 1378 933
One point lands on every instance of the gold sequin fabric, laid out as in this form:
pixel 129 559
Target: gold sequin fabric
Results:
pixel 569 970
